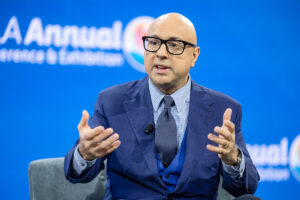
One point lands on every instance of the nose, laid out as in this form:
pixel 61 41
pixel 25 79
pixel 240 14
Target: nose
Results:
pixel 162 51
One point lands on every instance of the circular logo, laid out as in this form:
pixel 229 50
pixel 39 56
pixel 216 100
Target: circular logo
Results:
pixel 132 41
pixel 295 158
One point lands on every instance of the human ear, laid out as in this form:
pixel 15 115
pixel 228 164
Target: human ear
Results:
pixel 195 55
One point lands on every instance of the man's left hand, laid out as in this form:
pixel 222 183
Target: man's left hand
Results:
pixel 226 149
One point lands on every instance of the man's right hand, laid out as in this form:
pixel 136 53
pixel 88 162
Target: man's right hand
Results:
pixel 96 142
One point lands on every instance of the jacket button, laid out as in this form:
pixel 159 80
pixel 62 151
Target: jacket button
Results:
pixel 166 176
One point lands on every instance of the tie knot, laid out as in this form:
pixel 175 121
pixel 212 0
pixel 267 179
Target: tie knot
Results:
pixel 169 101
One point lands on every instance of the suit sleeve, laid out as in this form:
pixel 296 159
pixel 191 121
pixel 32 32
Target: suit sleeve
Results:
pixel 98 119
pixel 248 183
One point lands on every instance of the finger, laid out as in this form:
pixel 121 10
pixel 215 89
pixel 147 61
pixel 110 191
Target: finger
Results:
pixel 100 152
pixel 108 145
pixel 105 144
pixel 230 125
pixel 227 115
pixel 102 135
pixel 217 140
pixel 114 146
pixel 223 132
pixel 215 149
pixel 92 133
pixel 84 120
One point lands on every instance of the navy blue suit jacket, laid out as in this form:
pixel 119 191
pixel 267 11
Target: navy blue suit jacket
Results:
pixel 132 168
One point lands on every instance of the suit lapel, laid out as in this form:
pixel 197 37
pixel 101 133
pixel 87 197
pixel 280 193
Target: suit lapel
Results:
pixel 200 118
pixel 139 110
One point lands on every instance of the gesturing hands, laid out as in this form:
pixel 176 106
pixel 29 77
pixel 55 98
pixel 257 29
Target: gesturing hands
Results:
pixel 226 149
pixel 96 142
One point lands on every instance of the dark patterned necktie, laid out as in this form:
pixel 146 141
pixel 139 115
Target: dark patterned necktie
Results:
pixel 166 133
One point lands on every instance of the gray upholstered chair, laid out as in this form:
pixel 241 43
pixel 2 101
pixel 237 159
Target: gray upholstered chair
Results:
pixel 47 182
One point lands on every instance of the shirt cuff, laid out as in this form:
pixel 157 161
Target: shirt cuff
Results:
pixel 79 164
pixel 235 171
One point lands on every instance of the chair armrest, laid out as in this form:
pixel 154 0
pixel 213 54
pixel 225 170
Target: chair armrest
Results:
pixel 223 194
pixel 47 182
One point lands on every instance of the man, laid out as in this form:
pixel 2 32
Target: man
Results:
pixel 157 133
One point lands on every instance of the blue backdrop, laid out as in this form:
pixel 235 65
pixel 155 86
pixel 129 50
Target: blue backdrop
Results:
pixel 56 56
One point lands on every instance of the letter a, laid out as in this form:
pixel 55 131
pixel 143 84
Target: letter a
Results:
pixel 35 32
pixel 12 31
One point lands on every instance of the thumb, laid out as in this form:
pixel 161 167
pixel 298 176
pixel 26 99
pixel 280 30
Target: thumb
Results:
pixel 227 115
pixel 84 119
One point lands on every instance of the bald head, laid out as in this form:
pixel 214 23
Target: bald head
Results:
pixel 174 25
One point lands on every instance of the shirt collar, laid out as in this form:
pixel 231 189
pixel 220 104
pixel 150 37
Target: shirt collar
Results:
pixel 180 96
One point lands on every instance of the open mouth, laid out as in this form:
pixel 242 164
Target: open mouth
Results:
pixel 161 68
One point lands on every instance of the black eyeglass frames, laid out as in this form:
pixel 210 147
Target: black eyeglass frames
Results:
pixel 173 46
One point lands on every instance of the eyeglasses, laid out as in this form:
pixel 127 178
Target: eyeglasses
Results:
pixel 175 47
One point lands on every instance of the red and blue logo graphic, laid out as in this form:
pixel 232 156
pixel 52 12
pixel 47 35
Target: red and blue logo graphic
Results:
pixel 295 158
pixel 132 41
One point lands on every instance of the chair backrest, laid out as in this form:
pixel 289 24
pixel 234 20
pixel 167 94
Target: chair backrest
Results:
pixel 47 182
